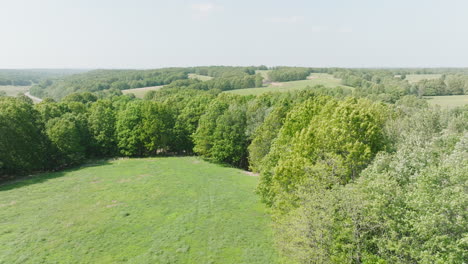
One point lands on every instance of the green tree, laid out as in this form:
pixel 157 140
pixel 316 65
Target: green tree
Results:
pixel 144 128
pixel 23 144
pixel 220 135
pixel 265 134
pixel 68 137
pixel 332 143
pixel 101 124
pixel 129 128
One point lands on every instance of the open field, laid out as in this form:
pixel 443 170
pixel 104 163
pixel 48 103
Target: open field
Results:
pixel 11 90
pixel 324 79
pixel 414 78
pixel 154 210
pixel 199 77
pixel 140 92
pixel 448 101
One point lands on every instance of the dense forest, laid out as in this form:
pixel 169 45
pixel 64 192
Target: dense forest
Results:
pixel 374 175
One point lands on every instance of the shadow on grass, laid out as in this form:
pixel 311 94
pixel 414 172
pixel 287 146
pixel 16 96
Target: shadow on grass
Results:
pixel 45 176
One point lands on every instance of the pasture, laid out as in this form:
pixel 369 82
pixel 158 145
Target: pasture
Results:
pixel 199 77
pixel 152 210
pixel 12 90
pixel 314 79
pixel 448 101
pixel 140 92
pixel 414 78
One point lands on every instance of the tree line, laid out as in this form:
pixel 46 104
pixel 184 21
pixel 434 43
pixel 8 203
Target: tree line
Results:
pixel 111 81
pixel 30 77
pixel 385 86
pixel 376 84
pixel 286 74
pixel 102 81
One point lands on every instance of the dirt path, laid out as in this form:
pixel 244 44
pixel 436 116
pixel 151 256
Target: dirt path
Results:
pixel 253 174
pixel 34 98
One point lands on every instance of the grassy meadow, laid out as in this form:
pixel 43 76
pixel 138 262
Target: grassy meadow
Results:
pixel 414 78
pixel 154 210
pixel 12 90
pixel 199 77
pixel 448 101
pixel 140 92
pixel 324 79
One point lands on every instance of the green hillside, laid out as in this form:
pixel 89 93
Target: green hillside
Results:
pixel 158 210
pixel 314 79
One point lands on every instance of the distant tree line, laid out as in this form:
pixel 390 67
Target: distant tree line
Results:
pixel 384 86
pixel 29 77
pixel 105 81
pixel 375 84
pixel 286 74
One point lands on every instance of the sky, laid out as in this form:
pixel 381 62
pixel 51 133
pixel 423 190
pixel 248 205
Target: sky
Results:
pixel 90 34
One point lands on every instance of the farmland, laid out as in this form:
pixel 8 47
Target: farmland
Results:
pixel 140 92
pixel 414 78
pixel 153 210
pixel 314 79
pixel 448 101
pixel 199 77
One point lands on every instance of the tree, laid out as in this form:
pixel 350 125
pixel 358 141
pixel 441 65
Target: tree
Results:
pixel 220 135
pixel 455 84
pixel 258 80
pixel 331 142
pixel 68 137
pixel 187 122
pixel 265 134
pixel 157 124
pixel 23 144
pixel 80 97
pixel 144 128
pixel 129 128
pixel 101 123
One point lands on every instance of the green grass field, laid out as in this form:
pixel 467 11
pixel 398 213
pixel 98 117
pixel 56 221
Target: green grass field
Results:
pixel 140 92
pixel 449 101
pixel 154 210
pixel 324 79
pixel 414 78
pixel 11 90
pixel 199 77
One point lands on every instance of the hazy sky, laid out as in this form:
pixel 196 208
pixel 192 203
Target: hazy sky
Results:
pixel 154 34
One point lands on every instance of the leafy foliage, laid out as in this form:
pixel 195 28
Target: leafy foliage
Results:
pixel 23 144
pixel 408 206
